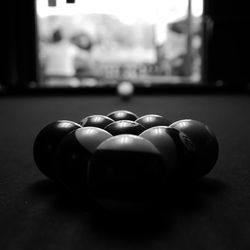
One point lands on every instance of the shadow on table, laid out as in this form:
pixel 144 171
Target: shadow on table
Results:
pixel 45 188
pixel 179 199
pixel 60 198
pixel 194 196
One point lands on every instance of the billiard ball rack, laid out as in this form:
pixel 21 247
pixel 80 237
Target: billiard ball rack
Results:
pixel 122 161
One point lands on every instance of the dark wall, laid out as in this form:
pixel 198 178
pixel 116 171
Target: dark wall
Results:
pixel 226 8
pixel 18 42
pixel 228 50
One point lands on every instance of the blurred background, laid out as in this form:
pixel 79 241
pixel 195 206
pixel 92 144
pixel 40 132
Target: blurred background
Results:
pixel 92 43
pixel 99 43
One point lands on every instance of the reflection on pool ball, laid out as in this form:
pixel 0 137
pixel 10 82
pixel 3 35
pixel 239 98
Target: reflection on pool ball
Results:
pixel 152 120
pixel 205 144
pixel 46 143
pixel 122 115
pixel 184 169
pixel 124 127
pixel 125 173
pixel 161 139
pixel 125 90
pixel 73 156
pixel 99 121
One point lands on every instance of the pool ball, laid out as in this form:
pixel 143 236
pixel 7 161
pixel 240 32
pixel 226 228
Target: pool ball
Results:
pixel 122 115
pixel 125 174
pixel 161 139
pixel 125 90
pixel 124 127
pixel 73 156
pixel 152 120
pixel 99 121
pixel 46 143
pixel 177 150
pixel 205 144
pixel 184 170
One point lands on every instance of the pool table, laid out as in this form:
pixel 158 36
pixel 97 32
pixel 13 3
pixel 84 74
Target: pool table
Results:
pixel 213 213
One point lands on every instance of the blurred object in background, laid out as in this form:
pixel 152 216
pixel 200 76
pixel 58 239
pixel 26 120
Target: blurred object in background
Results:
pixel 158 41
pixel 51 3
pixel 59 58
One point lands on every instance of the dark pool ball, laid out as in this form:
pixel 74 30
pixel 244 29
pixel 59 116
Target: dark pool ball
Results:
pixel 205 144
pixel 46 143
pixel 124 127
pixel 125 174
pixel 177 150
pixel 184 170
pixel 122 115
pixel 162 140
pixel 152 120
pixel 99 121
pixel 73 156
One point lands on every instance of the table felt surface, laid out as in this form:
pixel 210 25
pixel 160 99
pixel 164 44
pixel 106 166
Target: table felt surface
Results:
pixel 36 214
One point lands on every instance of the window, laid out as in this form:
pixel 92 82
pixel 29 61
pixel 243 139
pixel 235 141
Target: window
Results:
pixel 102 42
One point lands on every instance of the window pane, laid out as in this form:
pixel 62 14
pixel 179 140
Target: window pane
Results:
pixel 102 42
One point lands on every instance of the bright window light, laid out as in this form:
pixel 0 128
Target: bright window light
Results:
pixel 197 8
pixel 128 11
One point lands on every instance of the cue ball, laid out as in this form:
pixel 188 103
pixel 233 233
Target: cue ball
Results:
pixel 152 120
pixel 161 139
pixel 205 143
pixel 73 156
pixel 126 174
pixel 122 115
pixel 46 143
pixel 125 90
pixel 124 127
pixel 99 121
